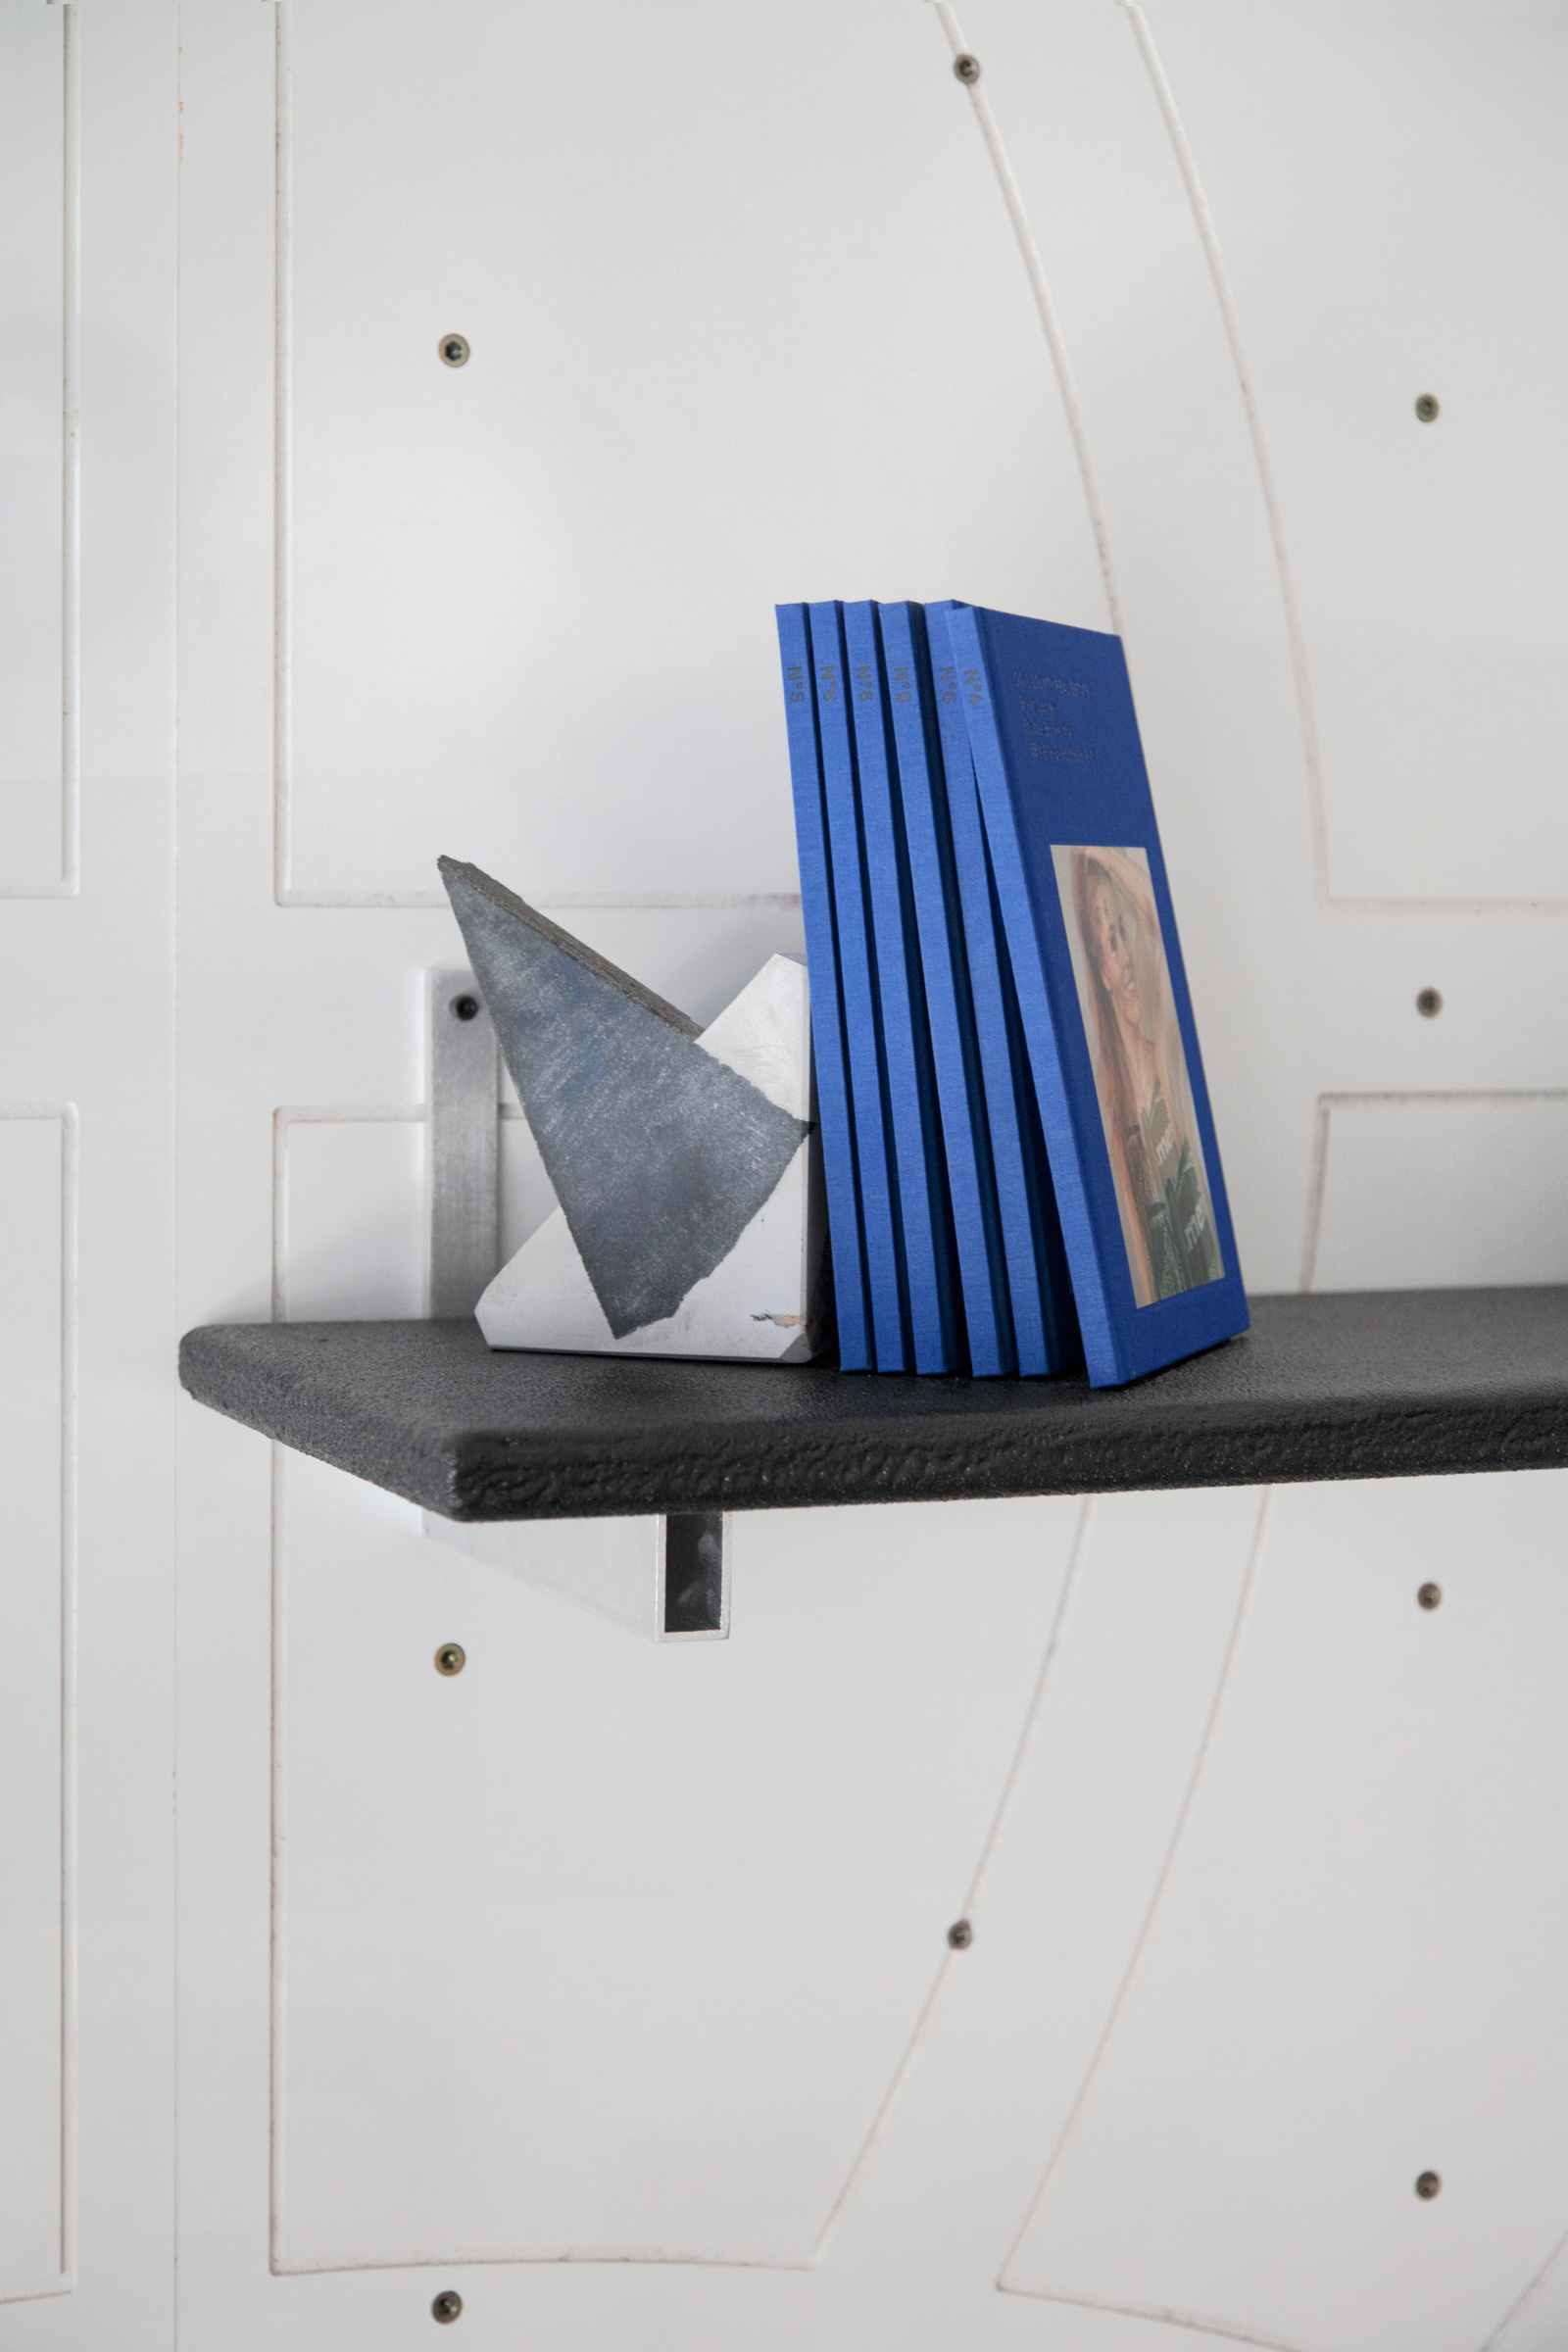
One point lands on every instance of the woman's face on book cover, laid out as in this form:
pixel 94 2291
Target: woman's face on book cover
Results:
pixel 1119 973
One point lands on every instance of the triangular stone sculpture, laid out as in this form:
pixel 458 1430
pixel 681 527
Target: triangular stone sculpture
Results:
pixel 683 1162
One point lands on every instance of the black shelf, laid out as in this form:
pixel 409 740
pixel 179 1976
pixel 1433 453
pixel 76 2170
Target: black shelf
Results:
pixel 1349 1385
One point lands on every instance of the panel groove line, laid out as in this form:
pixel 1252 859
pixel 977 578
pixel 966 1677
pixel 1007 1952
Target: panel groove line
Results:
pixel 1230 315
pixel 1328 1103
pixel 63 1116
pixel 285 1118
pixel 1167 1869
pixel 285 892
pixel 276 1957
pixel 66 883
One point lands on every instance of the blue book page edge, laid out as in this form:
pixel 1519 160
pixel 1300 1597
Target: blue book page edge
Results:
pixel 1122 1340
pixel 913 1121
pixel 1018 1186
pixel 867 1071
pixel 922 792
pixel 845 1241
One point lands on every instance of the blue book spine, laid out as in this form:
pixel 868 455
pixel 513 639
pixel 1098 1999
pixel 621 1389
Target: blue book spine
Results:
pixel 1044 1322
pixel 1081 884
pixel 858 979
pixel 829 1055
pixel 954 1048
pixel 915 1122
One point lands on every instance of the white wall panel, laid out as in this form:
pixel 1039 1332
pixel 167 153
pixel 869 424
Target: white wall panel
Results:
pixel 746 324
pixel 1435 1189
pixel 603 1949
pixel 1119 1723
pixel 571 1957
pixel 37 1831
pixel 90 99
pixel 37 289
pixel 1390 187
pixel 1355 1972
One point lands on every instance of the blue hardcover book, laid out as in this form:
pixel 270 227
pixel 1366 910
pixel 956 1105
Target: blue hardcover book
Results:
pixel 1045 1325
pixel 914 1123
pixel 827 1015
pixel 955 1048
pixel 869 1108
pixel 1113 1045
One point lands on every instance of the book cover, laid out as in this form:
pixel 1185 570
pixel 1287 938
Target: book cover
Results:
pixel 1044 1318
pixel 1086 907
pixel 954 1046
pixel 828 1052
pixel 914 1123
pixel 869 1110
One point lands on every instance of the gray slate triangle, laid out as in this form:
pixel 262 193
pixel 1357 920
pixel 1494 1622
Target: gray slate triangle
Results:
pixel 660 1156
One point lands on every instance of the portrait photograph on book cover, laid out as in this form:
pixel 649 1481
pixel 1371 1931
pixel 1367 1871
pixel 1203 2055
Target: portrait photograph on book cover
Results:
pixel 1139 1069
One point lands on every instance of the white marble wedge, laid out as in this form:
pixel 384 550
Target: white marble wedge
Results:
pixel 765 1300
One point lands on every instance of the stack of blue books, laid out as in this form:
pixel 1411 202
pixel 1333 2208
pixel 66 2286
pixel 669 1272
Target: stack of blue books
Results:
pixel 1021 1168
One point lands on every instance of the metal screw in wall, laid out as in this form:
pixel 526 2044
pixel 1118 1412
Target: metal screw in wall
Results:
pixel 466 1009
pixel 454 349
pixel 451 1658
pixel 1426 406
pixel 1427 2184
pixel 960 1935
pixel 967 68
pixel 446 2307
pixel 1429 1004
pixel 1429 1596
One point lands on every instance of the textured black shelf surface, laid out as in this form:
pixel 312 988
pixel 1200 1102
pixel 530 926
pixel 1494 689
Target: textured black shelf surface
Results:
pixel 1349 1385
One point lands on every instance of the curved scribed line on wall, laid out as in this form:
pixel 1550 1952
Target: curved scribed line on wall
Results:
pixel 1224 294
pixel 1181 2319
pixel 1551 2274
pixel 1012 197
pixel 982 1871
pixel 1145 1932
pixel 1317 1183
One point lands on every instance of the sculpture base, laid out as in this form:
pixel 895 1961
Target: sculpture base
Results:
pixel 766 1302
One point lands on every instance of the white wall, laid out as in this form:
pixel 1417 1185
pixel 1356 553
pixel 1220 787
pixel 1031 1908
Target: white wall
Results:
pixel 609 1984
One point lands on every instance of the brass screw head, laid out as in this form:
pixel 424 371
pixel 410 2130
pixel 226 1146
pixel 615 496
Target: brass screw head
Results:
pixel 1429 1596
pixel 960 1935
pixel 454 349
pixel 1429 1004
pixel 967 68
pixel 1426 406
pixel 446 2307
pixel 1427 2184
pixel 451 1658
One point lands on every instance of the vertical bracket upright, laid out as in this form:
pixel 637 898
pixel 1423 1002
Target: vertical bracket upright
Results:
pixel 462 1142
